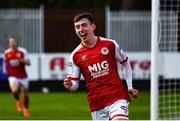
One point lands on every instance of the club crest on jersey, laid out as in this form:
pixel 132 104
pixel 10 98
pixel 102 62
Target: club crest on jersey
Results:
pixel 9 55
pixel 18 55
pixel 104 50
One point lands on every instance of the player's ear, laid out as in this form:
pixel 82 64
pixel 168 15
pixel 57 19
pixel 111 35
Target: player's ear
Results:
pixel 93 26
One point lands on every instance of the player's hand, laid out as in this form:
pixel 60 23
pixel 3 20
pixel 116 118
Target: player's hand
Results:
pixel 67 83
pixel 22 61
pixel 134 93
pixel 5 71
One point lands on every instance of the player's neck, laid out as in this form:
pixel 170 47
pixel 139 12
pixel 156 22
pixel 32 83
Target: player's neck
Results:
pixel 91 43
pixel 13 48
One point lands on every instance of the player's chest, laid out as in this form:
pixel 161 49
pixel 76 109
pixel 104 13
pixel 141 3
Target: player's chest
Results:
pixel 14 55
pixel 97 56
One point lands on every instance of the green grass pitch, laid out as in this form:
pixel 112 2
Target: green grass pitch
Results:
pixel 66 106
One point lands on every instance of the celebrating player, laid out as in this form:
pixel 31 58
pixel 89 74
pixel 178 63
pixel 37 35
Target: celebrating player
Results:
pixel 96 58
pixel 16 58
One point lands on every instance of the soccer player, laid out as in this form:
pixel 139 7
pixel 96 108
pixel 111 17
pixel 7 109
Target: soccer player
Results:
pixel 96 59
pixel 16 58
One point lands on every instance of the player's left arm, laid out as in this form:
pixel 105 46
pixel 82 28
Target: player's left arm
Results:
pixel 25 60
pixel 122 58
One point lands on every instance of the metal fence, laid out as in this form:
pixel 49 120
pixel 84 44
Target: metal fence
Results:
pixel 24 24
pixel 131 30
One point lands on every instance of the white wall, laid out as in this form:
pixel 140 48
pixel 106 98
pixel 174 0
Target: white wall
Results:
pixel 53 66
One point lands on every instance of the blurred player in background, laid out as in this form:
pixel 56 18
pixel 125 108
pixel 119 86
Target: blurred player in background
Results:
pixel 16 58
pixel 96 58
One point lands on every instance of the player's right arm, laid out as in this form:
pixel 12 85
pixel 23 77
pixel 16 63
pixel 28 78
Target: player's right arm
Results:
pixel 4 65
pixel 72 81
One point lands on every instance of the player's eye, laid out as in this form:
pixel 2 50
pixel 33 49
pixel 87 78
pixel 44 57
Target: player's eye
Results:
pixel 84 25
pixel 77 26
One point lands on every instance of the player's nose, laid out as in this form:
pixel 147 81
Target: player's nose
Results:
pixel 81 29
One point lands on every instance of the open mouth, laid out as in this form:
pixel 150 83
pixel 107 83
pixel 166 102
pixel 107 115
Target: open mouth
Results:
pixel 83 34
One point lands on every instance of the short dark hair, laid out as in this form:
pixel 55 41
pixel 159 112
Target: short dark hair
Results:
pixel 13 37
pixel 86 15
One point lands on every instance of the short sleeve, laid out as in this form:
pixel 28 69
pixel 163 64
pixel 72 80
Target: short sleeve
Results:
pixel 25 52
pixel 26 57
pixel 120 54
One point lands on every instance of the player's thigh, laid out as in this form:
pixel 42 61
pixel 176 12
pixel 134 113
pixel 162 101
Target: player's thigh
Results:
pixel 101 114
pixel 24 83
pixel 119 110
pixel 14 84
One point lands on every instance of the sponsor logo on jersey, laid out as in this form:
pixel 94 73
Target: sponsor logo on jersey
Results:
pixel 14 62
pixel 84 57
pixel 104 50
pixel 99 69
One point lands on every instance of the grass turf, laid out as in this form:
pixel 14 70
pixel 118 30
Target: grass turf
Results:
pixel 66 106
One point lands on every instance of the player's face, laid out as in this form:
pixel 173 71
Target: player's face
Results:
pixel 12 43
pixel 85 29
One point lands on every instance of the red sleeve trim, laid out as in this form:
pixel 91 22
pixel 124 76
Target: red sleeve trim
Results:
pixel 74 78
pixel 119 115
pixel 125 60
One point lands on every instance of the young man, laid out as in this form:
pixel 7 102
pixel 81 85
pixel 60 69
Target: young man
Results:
pixel 96 58
pixel 16 58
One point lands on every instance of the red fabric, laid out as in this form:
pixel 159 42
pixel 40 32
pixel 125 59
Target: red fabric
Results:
pixel 16 69
pixel 99 68
pixel 119 115
pixel 72 78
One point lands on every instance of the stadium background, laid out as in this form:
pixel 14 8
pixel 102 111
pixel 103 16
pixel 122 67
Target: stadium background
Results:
pixel 45 28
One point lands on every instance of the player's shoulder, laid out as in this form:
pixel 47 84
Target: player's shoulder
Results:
pixel 109 41
pixel 7 51
pixel 76 50
pixel 22 49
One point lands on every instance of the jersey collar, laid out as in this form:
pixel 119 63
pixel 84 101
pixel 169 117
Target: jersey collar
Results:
pixel 98 38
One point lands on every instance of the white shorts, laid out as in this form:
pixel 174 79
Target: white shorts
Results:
pixel 117 110
pixel 19 82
